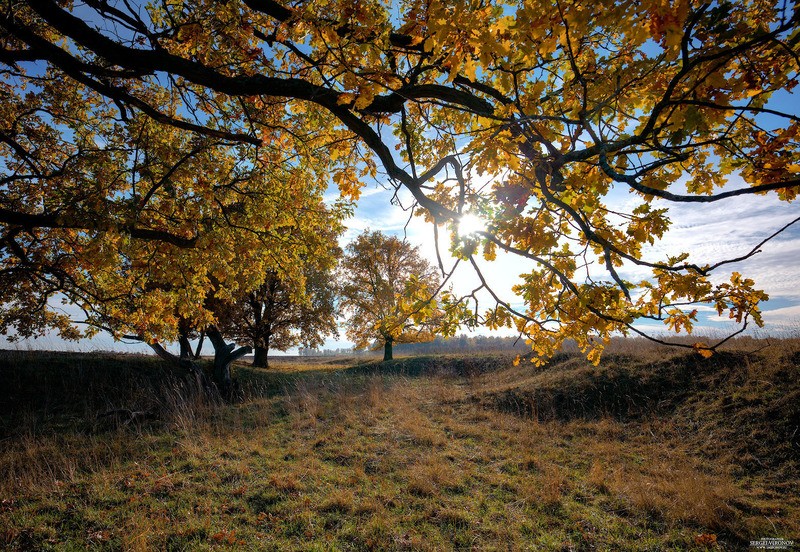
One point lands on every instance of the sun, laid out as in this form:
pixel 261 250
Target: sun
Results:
pixel 470 224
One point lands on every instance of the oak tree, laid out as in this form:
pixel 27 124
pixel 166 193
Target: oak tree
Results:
pixel 259 260
pixel 528 113
pixel 388 293
pixel 140 224
pixel 138 221
pixel 280 314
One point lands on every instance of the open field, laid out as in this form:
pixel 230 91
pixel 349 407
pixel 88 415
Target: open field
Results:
pixel 652 450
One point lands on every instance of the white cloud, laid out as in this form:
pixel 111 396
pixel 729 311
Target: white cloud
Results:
pixel 709 232
pixel 785 319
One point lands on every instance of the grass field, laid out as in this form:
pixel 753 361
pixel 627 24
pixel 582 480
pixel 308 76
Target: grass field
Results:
pixel 652 450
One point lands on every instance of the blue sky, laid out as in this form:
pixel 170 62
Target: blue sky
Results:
pixel 709 232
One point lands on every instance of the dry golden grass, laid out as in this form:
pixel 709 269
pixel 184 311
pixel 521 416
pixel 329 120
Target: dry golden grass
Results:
pixel 669 484
pixel 433 475
pixel 364 459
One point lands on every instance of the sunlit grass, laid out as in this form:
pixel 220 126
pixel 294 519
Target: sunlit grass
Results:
pixel 389 457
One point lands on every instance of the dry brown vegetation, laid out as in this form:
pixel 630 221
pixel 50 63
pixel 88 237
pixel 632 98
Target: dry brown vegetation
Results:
pixel 652 450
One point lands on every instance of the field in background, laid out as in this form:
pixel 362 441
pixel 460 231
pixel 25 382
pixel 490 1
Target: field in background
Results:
pixel 654 449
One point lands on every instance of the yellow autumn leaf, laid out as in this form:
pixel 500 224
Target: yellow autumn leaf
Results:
pixel 345 98
pixel 702 349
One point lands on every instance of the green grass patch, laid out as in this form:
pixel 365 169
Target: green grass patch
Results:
pixel 640 453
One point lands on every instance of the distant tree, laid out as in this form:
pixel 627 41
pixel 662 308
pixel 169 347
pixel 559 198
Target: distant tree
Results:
pixel 294 306
pixel 388 291
pixel 277 316
pixel 466 344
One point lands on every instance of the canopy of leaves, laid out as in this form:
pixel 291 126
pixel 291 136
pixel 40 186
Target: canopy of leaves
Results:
pixel 388 290
pixel 138 222
pixel 553 103
pixel 279 315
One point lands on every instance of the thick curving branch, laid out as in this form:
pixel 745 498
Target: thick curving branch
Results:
pixel 50 220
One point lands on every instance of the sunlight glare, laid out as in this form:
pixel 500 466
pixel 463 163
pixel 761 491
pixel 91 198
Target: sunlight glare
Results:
pixel 470 224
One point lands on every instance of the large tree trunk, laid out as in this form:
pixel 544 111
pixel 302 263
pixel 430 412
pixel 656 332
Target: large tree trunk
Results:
pixel 224 355
pixel 387 349
pixel 260 359
pixel 186 347
pixel 187 364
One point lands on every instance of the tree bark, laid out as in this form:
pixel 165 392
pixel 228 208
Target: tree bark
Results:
pixel 187 364
pixel 199 345
pixel 263 333
pixel 260 359
pixel 186 347
pixel 224 355
pixel 387 349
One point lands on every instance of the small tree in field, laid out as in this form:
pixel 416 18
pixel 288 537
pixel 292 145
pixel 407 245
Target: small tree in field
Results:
pixel 276 316
pixel 292 305
pixel 388 291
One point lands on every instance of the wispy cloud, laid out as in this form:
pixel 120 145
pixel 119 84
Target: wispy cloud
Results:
pixel 786 319
pixel 708 232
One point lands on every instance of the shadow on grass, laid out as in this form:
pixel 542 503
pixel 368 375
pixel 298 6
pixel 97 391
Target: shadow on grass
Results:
pixel 621 386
